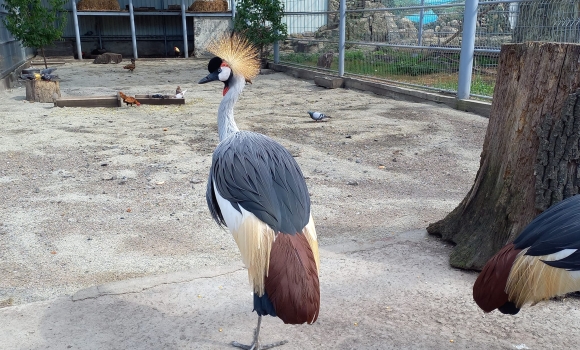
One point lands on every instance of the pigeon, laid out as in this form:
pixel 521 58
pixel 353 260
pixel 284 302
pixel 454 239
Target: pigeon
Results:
pixel 47 71
pixel 179 93
pixel 49 77
pixel 318 116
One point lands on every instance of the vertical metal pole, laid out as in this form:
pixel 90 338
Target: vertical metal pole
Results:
pixel 184 23
pixel 165 35
pixel 233 5
pixel 277 52
pixel 421 16
pixel 341 36
pixel 467 47
pixel 77 34
pixel 133 36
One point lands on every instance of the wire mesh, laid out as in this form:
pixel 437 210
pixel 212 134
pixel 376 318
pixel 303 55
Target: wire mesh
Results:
pixel 418 42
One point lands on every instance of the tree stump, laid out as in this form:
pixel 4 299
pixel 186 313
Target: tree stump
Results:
pixel 530 157
pixel 42 91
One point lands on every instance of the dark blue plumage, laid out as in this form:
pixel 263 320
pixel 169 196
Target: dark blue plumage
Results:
pixel 254 171
pixel 554 230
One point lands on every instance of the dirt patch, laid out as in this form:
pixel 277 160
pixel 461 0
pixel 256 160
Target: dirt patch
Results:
pixel 95 195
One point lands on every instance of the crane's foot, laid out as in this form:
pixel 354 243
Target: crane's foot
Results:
pixel 258 346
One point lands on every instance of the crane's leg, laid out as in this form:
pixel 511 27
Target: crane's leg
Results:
pixel 256 345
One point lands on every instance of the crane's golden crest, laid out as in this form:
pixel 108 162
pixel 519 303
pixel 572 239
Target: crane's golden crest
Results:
pixel 240 55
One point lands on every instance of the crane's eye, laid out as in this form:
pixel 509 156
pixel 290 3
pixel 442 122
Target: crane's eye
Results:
pixel 224 73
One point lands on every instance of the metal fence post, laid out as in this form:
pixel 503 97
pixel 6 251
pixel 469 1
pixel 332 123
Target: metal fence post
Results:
pixel 467 47
pixel 184 24
pixel 233 2
pixel 421 16
pixel 77 34
pixel 277 51
pixel 133 35
pixel 341 37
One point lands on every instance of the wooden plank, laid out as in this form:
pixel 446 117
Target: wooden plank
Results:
pixel 88 101
pixel 49 63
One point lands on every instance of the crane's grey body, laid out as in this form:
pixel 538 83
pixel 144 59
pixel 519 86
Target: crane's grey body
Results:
pixel 253 171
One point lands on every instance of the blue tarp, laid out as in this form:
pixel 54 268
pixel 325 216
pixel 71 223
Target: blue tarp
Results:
pixel 428 16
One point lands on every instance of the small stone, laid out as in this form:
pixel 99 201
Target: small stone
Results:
pixel 352 183
pixel 107 176
pixel 348 136
pixel 394 159
pixel 195 181
pixel 357 160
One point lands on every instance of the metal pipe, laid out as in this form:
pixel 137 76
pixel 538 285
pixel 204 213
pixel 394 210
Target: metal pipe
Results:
pixel 341 37
pixel 133 36
pixel 77 33
pixel 467 49
pixel 233 2
pixel 165 36
pixel 184 23
pixel 421 15
pixel 277 51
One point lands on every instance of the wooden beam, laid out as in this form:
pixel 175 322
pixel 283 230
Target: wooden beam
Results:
pixel 88 101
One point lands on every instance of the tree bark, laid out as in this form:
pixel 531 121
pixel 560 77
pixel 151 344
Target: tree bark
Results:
pixel 530 157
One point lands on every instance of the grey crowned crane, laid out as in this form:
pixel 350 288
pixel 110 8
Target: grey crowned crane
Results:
pixel 541 263
pixel 257 190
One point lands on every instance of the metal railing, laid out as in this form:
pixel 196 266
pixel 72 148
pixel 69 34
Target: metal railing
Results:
pixel 444 45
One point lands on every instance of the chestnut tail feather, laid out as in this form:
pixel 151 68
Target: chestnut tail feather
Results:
pixel 292 283
pixel 489 288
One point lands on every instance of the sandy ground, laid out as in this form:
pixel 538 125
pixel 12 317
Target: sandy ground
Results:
pixel 90 196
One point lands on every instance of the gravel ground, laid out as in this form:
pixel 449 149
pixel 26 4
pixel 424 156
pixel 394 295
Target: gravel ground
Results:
pixel 94 195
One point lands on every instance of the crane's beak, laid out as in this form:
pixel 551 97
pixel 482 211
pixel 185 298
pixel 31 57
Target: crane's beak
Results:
pixel 210 77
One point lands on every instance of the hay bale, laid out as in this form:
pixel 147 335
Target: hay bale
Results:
pixel 98 5
pixel 108 57
pixel 209 6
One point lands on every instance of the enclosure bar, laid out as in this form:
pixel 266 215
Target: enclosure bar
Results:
pixel 184 24
pixel 442 48
pixel 491 2
pixel 467 49
pixel 233 5
pixel 341 37
pixel 421 16
pixel 165 35
pixel 101 13
pixel 77 33
pixel 296 13
pixel 132 21
pixel 277 51
pixel 389 9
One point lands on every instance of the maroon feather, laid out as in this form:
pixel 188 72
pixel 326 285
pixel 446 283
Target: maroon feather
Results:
pixel 489 288
pixel 292 283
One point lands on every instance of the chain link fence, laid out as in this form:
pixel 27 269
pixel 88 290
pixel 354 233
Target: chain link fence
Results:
pixel 418 42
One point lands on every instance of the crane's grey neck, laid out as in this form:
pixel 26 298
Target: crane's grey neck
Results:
pixel 226 123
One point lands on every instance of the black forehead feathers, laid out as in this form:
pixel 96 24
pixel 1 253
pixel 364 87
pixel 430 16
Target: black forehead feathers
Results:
pixel 214 64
